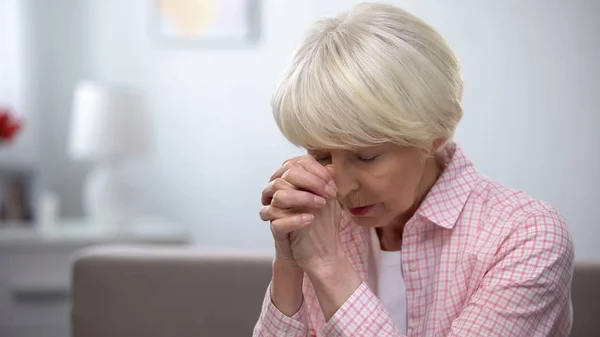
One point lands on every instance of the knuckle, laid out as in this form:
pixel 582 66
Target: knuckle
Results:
pixel 288 162
pixel 265 191
pixel 265 213
pixel 277 196
pixel 277 225
pixel 279 184
pixel 266 198
pixel 290 172
pixel 278 228
pixel 310 198
pixel 275 228
pixel 281 197
pixel 266 201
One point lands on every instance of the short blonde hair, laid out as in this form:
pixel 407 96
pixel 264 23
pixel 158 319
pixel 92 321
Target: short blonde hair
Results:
pixel 372 75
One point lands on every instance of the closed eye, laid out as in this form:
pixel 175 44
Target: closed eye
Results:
pixel 367 159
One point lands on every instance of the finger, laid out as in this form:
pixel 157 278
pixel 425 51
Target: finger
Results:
pixel 309 163
pixel 313 166
pixel 280 171
pixel 284 167
pixel 270 213
pixel 305 180
pixel 272 187
pixel 294 199
pixel 292 223
pixel 330 170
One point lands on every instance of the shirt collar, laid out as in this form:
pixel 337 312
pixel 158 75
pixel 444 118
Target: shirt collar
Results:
pixel 448 196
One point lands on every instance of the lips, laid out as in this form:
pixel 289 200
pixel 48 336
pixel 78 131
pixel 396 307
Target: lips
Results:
pixel 361 210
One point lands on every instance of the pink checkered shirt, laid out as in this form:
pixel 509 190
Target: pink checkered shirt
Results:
pixel 478 259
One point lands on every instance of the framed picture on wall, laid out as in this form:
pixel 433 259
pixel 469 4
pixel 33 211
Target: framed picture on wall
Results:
pixel 205 23
pixel 17 198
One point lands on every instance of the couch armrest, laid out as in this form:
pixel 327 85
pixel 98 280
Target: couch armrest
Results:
pixel 585 293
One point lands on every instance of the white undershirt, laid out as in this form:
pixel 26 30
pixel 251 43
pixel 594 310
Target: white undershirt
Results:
pixel 389 282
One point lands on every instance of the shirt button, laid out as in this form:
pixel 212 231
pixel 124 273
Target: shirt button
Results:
pixel 412 267
pixel 413 325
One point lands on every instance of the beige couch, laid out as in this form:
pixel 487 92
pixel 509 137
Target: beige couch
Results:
pixel 175 292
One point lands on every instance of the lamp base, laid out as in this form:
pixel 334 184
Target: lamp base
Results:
pixel 108 196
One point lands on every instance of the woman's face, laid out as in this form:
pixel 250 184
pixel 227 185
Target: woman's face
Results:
pixel 378 185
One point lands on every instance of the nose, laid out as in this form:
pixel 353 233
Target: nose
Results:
pixel 344 179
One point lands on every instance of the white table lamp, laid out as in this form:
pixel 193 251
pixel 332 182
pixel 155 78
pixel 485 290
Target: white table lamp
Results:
pixel 109 125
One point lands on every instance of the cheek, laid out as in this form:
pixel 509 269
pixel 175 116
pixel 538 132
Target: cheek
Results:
pixel 400 191
pixel 401 195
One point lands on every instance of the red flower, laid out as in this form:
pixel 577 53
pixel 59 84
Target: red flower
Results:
pixel 9 127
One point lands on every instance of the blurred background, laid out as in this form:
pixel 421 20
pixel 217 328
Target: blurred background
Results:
pixel 531 71
pixel 202 84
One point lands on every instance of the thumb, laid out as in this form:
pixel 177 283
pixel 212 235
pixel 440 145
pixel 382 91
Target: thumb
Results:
pixel 332 172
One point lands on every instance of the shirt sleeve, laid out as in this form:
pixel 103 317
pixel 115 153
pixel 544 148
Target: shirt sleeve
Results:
pixel 273 323
pixel 361 315
pixel 527 291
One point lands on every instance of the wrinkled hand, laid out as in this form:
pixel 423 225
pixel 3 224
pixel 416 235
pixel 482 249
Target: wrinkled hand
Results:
pixel 300 203
pixel 317 246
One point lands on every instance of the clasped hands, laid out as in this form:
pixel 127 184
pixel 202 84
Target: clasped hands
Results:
pixel 300 203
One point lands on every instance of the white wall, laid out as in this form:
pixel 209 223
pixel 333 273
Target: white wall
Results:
pixel 15 81
pixel 531 106
pixel 60 44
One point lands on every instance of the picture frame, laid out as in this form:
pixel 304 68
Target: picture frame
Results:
pixel 210 24
pixel 17 198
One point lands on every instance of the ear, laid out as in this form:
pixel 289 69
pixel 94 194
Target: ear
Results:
pixel 437 145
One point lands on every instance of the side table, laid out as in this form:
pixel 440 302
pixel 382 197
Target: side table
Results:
pixel 35 270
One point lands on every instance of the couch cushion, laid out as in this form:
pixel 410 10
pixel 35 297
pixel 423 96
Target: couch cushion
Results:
pixel 176 292
pixel 149 291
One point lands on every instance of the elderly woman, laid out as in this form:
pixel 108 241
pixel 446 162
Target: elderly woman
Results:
pixel 385 228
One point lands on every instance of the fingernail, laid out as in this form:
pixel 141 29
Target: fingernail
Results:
pixel 320 201
pixel 330 191
pixel 307 218
pixel 332 184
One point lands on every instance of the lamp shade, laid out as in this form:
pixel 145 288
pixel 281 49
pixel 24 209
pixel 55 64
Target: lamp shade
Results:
pixel 107 122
